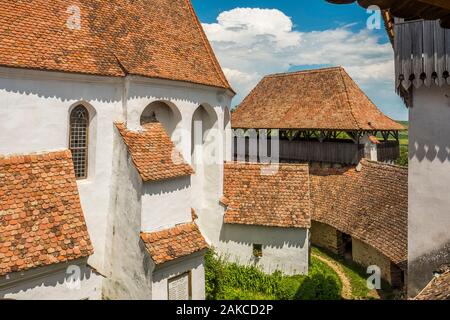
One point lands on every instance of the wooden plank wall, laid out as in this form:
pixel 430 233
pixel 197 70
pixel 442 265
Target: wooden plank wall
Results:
pixel 422 54
pixel 305 151
pixel 388 151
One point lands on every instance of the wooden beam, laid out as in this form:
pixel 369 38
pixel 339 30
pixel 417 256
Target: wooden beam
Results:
pixel 445 4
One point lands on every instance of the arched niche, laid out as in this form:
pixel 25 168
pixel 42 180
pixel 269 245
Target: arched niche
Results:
pixel 203 134
pixel 228 135
pixel 165 112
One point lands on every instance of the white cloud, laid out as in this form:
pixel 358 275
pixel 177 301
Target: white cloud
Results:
pixel 253 42
pixel 244 81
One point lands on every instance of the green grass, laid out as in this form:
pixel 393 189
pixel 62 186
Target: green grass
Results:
pixel 357 276
pixel 354 273
pixel 228 281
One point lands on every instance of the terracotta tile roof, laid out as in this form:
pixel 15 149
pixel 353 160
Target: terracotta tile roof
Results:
pixel 180 241
pixel 279 200
pixel 437 289
pixel 314 99
pixel 370 205
pixel 41 220
pixel 157 39
pixel 154 153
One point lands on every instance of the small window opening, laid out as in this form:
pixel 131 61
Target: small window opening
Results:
pixel 257 250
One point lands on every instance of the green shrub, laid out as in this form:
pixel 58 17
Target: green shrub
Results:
pixel 229 281
pixel 238 294
pixel 214 275
pixel 404 157
pixel 288 287
pixel 319 287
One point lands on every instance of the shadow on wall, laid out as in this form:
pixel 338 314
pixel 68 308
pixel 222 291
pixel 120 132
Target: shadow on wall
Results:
pixel 53 279
pixel 422 269
pixel 429 130
pixel 422 150
pixel 177 267
pixel 277 238
pixel 166 186
pixel 165 112
pixel 61 90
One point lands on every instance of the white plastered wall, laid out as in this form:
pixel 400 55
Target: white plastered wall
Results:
pixel 194 265
pixel 51 283
pixel 128 263
pixel 429 177
pixel 285 250
pixel 187 99
pixel 35 108
pixel 166 204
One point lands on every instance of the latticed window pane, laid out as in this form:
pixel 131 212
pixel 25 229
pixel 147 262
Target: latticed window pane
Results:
pixel 79 129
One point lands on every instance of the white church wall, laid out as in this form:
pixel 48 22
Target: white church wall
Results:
pixel 129 265
pixel 283 249
pixel 429 176
pixel 193 264
pixel 166 203
pixel 52 283
pixel 187 98
pixel 35 107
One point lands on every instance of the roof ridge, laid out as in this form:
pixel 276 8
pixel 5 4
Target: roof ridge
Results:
pixel 384 165
pixel 348 98
pixel 292 73
pixel 35 156
pixel 181 225
pixel 257 166
pixel 217 68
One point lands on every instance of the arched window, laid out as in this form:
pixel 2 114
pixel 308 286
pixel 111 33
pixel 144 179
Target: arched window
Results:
pixel 78 140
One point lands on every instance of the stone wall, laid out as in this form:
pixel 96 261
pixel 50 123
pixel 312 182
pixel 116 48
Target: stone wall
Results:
pixel 327 237
pixel 366 256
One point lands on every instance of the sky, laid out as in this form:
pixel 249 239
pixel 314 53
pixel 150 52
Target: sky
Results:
pixel 252 38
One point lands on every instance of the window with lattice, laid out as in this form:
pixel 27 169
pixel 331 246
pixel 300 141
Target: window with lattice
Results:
pixel 78 144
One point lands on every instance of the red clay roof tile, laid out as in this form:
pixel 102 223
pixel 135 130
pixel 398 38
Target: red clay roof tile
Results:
pixel 157 39
pixel 153 153
pixel 315 99
pixel 437 289
pixel 278 200
pixel 370 205
pixel 41 220
pixel 170 244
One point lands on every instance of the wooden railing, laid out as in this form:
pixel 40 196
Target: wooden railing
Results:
pixel 422 53
pixel 388 151
pixel 344 152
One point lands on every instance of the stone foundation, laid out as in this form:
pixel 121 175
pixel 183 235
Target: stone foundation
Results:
pixel 327 237
pixel 366 256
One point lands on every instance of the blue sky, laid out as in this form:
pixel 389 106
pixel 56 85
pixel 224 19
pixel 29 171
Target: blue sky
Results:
pixel 255 37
